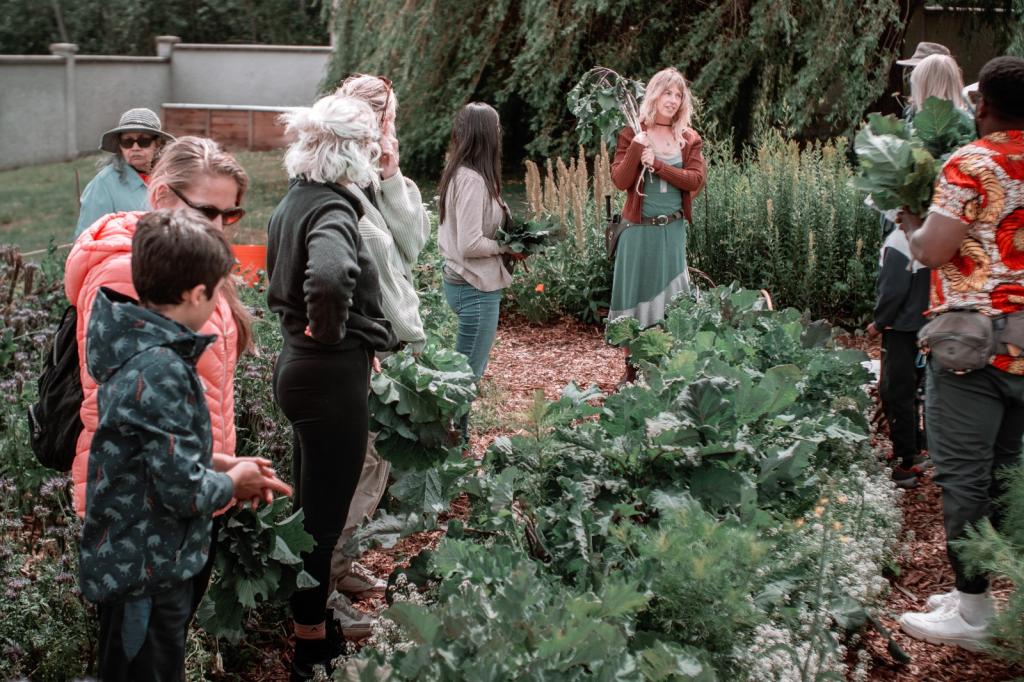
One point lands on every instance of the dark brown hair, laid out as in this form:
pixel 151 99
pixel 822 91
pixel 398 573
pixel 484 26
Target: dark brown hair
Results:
pixel 475 144
pixel 175 251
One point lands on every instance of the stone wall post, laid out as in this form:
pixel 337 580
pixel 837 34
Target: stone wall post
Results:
pixel 68 51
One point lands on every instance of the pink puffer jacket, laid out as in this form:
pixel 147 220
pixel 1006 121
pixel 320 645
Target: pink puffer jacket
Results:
pixel 101 257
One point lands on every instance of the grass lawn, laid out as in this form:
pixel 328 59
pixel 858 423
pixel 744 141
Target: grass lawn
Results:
pixel 38 203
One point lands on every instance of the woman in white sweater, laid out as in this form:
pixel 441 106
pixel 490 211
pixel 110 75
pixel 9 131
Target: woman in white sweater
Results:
pixel 394 225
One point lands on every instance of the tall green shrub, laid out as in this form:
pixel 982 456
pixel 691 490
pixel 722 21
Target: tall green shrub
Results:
pixel 786 219
pixel 757 62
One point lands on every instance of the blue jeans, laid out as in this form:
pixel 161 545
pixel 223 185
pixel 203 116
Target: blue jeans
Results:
pixel 478 323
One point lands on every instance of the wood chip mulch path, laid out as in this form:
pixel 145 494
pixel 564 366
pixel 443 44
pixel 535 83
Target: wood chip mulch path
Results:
pixel 923 570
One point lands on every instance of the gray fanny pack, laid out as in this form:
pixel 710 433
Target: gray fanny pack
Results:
pixel 961 341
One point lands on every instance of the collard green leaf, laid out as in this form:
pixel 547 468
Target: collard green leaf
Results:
pixel 889 125
pixel 430 491
pixel 622 331
pixel 415 402
pixel 530 236
pixel 421 625
pixel 720 489
pixel 893 171
pixel 941 127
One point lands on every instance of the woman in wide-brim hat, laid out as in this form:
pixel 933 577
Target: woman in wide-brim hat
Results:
pixel 120 185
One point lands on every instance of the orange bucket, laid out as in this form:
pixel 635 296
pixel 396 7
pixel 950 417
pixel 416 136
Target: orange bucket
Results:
pixel 252 258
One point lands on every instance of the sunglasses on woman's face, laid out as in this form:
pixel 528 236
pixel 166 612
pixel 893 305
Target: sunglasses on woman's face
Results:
pixel 230 215
pixel 144 141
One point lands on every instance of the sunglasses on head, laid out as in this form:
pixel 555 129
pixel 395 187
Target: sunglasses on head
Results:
pixel 144 141
pixel 230 216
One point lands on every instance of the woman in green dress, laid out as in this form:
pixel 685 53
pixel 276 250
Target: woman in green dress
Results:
pixel 661 168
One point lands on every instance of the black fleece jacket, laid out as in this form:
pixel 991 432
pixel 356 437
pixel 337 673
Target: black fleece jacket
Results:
pixel 321 274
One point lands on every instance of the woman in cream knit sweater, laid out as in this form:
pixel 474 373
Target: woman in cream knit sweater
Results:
pixel 471 211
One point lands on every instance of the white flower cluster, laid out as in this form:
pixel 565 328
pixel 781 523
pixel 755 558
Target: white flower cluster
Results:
pixel 857 525
pixel 778 654
pixel 871 520
pixel 388 637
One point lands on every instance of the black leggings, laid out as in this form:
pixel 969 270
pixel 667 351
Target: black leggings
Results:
pixel 323 395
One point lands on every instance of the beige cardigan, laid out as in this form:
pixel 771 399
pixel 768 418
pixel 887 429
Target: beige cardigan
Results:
pixel 466 237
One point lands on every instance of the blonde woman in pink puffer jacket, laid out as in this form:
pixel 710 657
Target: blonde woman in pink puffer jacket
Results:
pixel 193 172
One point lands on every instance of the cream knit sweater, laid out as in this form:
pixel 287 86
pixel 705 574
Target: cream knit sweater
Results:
pixel 466 237
pixel 394 232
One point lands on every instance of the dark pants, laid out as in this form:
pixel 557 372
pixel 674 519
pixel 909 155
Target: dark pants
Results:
pixel 975 426
pixel 900 380
pixel 323 395
pixel 201 580
pixel 162 654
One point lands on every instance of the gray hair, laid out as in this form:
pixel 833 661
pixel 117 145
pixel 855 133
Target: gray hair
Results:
pixel 336 140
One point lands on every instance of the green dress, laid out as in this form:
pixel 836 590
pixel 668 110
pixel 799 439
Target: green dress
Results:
pixel 650 260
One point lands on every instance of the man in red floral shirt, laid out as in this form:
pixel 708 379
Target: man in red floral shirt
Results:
pixel 973 238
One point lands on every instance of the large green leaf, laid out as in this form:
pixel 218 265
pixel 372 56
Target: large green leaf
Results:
pixel 670 662
pixel 941 127
pixel 721 489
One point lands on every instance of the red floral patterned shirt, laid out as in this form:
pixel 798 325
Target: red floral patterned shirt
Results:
pixel 982 185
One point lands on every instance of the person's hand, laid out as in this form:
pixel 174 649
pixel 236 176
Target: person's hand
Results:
pixel 376 364
pixel 641 138
pixel 872 331
pixel 250 482
pixel 908 221
pixel 647 157
pixel 389 156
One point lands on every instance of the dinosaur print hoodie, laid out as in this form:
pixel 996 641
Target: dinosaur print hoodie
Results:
pixel 151 491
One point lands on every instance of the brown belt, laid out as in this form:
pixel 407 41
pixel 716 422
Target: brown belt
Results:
pixel 661 219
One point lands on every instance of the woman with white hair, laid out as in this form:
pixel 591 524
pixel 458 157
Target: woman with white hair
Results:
pixel 323 286
pixel 939 76
pixel 394 228
pixel 662 169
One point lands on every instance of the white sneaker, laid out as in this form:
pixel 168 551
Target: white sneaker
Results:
pixel 353 623
pixel 937 601
pixel 359 581
pixel 945 625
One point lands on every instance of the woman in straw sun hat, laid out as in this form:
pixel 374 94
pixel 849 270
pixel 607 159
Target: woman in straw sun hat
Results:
pixel 121 185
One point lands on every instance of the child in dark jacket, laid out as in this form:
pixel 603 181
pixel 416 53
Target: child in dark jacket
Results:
pixel 902 298
pixel 152 492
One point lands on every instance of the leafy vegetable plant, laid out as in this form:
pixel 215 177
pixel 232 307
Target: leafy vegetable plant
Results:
pixel 604 103
pixel 416 403
pixel 257 561
pixel 899 162
pixel 530 236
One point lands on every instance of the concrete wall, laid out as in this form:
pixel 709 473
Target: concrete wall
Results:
pixel 36 126
pixel 267 75
pixel 106 87
pixel 32 110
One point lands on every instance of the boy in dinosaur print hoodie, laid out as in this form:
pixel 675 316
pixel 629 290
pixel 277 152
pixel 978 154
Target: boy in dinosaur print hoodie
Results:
pixel 151 490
